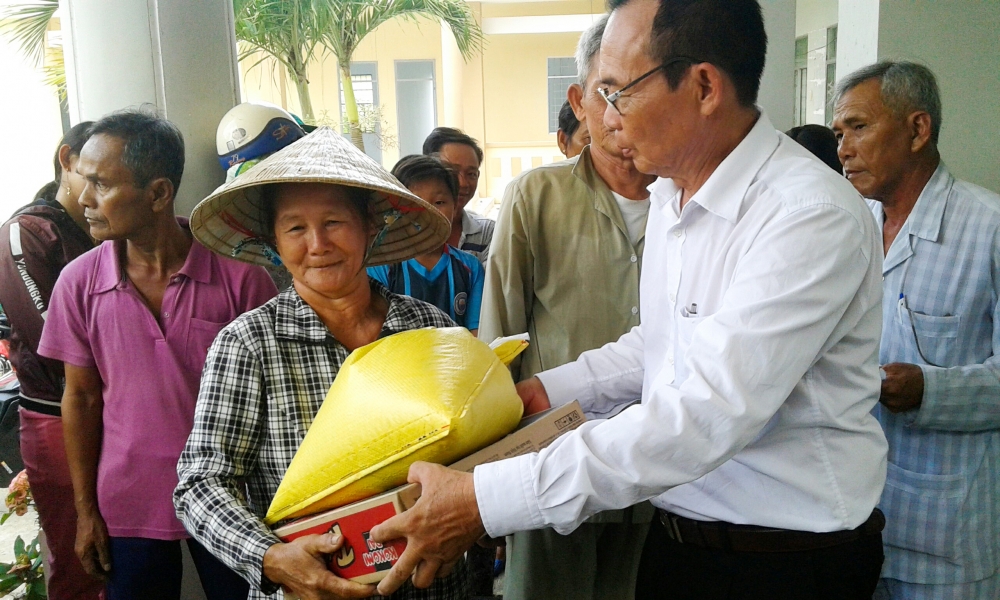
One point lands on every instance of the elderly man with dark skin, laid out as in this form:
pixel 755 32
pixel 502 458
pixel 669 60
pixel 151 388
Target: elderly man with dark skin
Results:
pixel 940 403
pixel 586 215
pixel 756 358
pixel 132 321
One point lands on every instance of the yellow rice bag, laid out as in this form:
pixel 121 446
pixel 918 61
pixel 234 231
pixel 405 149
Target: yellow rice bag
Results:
pixel 429 394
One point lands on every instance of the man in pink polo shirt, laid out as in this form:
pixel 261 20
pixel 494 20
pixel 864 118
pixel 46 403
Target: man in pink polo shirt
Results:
pixel 132 320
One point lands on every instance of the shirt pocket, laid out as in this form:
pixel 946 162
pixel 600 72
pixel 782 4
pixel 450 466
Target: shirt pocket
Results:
pixel 200 336
pixel 937 336
pixel 922 510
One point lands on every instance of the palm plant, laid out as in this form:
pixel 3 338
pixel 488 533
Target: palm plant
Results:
pixel 25 25
pixel 290 31
pixel 355 19
pixel 293 32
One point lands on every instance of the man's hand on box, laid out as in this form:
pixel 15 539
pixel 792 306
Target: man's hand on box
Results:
pixel 300 567
pixel 533 395
pixel 443 524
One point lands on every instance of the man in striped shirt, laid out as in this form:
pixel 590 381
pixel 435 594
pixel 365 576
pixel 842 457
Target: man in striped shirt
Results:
pixel 940 402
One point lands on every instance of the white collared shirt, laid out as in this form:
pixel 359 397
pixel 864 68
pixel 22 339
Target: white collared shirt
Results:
pixel 756 361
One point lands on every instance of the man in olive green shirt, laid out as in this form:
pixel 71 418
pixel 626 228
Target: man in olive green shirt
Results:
pixel 564 266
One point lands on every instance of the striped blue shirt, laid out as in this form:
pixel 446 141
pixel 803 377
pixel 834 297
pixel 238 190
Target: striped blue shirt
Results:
pixel 941 284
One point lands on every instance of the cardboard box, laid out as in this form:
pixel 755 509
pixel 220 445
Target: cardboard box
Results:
pixel 363 560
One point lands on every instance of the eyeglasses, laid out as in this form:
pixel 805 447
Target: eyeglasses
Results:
pixel 611 99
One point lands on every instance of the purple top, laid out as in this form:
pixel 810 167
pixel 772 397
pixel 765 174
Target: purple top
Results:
pixel 150 369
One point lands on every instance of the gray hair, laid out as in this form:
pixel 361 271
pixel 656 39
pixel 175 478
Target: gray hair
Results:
pixel 587 48
pixel 906 87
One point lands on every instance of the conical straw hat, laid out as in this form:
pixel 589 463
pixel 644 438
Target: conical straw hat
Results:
pixel 233 215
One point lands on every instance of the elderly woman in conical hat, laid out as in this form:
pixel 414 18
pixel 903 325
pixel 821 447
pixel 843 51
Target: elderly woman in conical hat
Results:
pixel 324 211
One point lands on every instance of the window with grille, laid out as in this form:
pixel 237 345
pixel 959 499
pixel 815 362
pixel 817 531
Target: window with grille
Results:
pixel 364 80
pixel 562 74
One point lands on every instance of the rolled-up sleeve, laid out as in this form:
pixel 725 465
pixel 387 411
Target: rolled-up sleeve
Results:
pixel 222 448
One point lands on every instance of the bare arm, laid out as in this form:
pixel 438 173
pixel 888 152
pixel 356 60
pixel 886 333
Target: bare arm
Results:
pixel 82 410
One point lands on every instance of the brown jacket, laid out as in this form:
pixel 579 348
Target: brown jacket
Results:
pixel 35 244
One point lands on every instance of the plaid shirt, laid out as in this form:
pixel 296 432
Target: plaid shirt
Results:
pixel 940 311
pixel 265 378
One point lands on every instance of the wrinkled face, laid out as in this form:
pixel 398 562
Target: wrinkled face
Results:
pixel 113 205
pixel 463 159
pixel 573 145
pixel 593 109
pixel 437 194
pixel 320 237
pixel 655 126
pixel 874 145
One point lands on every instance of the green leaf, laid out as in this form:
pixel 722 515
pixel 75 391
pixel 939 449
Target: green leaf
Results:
pixel 4 517
pixel 36 591
pixel 18 546
pixel 25 25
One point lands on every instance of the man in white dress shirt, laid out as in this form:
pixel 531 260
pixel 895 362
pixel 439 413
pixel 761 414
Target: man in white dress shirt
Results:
pixel 756 358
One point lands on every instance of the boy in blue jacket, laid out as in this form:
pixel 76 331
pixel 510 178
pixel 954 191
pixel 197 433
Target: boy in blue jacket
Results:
pixel 447 277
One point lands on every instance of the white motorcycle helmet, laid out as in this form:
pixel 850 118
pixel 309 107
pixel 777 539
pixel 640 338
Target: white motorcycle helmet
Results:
pixel 252 130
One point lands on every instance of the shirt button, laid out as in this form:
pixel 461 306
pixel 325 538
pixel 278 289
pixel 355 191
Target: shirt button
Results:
pixel 166 315
pixel 677 233
pixel 670 360
pixel 672 297
pixel 634 258
pixel 635 310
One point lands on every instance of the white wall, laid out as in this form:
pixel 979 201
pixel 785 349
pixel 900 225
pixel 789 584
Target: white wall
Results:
pixel 32 128
pixel 960 41
pixel 811 15
pixel 857 43
pixel 776 83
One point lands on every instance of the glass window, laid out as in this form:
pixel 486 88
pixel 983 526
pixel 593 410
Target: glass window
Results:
pixel 800 80
pixel 562 74
pixel 831 71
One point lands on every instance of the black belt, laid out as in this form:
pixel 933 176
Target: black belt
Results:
pixel 750 538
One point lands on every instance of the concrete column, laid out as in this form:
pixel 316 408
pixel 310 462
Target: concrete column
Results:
pixel 776 95
pixel 452 80
pixel 177 56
